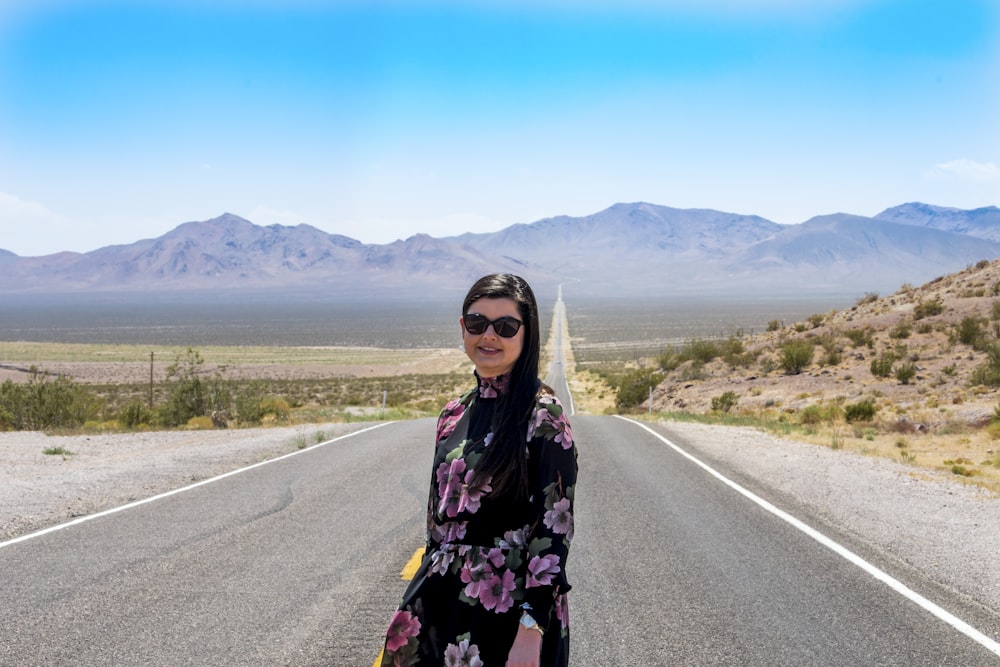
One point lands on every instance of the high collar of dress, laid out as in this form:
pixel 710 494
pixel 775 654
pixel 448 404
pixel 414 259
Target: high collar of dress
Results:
pixel 493 387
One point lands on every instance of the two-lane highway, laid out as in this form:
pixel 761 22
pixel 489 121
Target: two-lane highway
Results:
pixel 297 562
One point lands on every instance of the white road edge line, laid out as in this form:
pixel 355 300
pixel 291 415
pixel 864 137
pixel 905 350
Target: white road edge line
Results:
pixel 893 583
pixel 113 510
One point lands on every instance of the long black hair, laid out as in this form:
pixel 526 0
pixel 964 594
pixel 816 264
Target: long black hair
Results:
pixel 505 461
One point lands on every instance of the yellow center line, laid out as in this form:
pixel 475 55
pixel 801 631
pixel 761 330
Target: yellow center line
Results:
pixel 407 573
pixel 412 565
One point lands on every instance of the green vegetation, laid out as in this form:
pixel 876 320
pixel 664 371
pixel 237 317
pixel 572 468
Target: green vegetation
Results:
pixel 906 372
pixel 193 398
pixel 632 388
pixel 863 411
pixel 57 451
pixel 832 352
pixel 134 414
pixel 796 355
pixel 902 330
pixel 960 467
pixel 189 395
pixel 700 351
pixel 726 402
pixel 881 366
pixel 45 402
pixel 862 337
pixel 987 374
pixel 928 308
pixel 816 320
pixel 970 331
pixel 818 414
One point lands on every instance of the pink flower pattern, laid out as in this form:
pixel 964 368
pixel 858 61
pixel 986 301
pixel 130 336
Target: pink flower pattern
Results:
pixel 562 610
pixel 493 387
pixel 472 494
pixel 450 417
pixel 401 628
pixel 449 478
pixel 541 569
pixel 560 519
pixel 462 654
pixel 495 594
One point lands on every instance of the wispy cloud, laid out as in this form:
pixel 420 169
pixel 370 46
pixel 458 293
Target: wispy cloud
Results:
pixel 965 170
pixel 29 227
pixel 15 210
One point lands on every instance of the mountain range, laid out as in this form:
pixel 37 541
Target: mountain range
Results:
pixel 627 250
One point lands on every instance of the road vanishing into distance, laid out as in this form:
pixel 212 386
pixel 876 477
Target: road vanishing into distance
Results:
pixel 677 560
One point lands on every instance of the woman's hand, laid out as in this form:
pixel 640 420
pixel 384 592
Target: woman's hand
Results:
pixel 527 648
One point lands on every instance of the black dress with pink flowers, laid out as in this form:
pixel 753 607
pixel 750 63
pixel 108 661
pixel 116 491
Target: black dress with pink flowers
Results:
pixel 489 557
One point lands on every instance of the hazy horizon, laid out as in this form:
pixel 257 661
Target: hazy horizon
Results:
pixel 600 326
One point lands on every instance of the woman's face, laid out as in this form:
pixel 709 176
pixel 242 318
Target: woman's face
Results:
pixel 492 354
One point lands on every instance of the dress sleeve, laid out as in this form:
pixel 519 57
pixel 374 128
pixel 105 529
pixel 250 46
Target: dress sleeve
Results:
pixel 551 446
pixel 448 419
pixel 446 424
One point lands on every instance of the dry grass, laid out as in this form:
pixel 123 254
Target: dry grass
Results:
pixel 107 364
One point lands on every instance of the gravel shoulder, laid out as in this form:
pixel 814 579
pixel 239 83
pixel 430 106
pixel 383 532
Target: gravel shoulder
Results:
pixel 39 490
pixel 937 525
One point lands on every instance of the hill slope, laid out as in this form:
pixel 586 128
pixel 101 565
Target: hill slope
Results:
pixel 934 385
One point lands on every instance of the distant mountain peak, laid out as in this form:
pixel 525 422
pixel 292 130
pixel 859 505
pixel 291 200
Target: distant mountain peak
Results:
pixel 981 223
pixel 627 248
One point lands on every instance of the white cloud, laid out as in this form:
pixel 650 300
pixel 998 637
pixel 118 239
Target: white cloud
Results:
pixel 14 209
pixel 965 170
pixel 28 228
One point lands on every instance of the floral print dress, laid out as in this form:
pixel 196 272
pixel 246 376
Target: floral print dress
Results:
pixel 490 557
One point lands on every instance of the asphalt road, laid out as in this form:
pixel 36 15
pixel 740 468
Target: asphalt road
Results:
pixel 297 562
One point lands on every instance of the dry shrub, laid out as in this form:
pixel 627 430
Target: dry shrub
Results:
pixel 200 423
pixel 903 425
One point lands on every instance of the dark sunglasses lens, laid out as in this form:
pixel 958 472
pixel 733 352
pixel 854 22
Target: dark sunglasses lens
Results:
pixel 506 327
pixel 475 324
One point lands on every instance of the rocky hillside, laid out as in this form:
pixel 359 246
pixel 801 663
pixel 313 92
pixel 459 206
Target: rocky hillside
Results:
pixel 925 359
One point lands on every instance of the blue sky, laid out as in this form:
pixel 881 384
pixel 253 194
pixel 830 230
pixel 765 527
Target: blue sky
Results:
pixel 385 118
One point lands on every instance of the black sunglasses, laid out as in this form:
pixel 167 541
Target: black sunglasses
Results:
pixel 505 327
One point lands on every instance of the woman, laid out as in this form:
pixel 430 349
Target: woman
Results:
pixel 491 589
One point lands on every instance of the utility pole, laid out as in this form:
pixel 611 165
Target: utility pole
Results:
pixel 150 380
